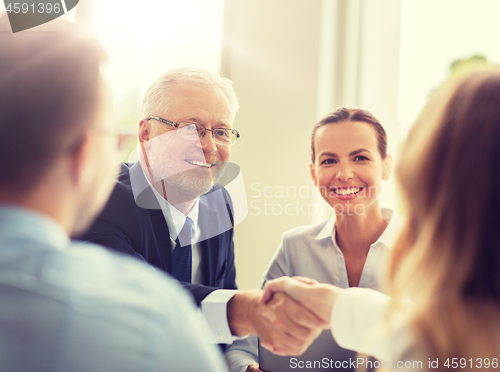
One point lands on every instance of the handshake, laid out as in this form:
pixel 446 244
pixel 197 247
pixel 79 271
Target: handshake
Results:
pixel 288 315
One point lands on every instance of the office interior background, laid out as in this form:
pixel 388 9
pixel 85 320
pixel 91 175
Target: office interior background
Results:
pixel 292 62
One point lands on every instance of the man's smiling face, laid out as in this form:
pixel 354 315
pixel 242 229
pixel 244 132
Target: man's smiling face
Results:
pixel 188 166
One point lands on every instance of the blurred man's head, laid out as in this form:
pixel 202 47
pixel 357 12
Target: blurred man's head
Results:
pixel 186 131
pixel 53 105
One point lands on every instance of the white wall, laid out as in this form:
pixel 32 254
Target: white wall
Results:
pixel 293 61
pixel 271 54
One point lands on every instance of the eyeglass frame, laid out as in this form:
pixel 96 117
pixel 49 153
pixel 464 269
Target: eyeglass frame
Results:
pixel 176 126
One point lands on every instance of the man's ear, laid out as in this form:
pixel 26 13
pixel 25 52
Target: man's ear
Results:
pixel 313 174
pixel 387 167
pixel 144 131
pixel 80 161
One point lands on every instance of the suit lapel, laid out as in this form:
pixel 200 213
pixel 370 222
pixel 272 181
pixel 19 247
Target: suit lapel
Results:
pixel 209 247
pixel 162 236
pixel 146 199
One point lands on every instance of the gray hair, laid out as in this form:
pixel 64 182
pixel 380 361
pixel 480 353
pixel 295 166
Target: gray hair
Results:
pixel 154 99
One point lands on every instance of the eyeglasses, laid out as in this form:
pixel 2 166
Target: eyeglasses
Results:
pixel 192 131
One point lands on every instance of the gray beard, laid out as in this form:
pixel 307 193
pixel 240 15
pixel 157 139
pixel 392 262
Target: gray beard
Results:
pixel 183 185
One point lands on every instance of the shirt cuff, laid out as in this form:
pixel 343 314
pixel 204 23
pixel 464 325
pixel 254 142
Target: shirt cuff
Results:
pixel 356 316
pixel 214 308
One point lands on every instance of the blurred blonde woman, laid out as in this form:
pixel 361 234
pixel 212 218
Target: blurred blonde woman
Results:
pixel 444 277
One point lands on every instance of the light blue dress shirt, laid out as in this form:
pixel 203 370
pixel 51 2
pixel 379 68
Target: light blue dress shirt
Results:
pixel 68 306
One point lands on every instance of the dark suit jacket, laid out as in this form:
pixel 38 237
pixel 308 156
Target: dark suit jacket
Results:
pixel 133 223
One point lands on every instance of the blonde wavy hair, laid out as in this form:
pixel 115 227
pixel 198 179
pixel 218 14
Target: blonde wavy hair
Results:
pixel 447 258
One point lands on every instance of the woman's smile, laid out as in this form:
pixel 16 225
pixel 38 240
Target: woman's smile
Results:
pixel 346 193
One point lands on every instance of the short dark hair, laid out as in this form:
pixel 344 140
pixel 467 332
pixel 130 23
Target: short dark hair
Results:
pixel 342 115
pixel 50 94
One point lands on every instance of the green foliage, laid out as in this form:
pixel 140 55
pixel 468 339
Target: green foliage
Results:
pixel 463 66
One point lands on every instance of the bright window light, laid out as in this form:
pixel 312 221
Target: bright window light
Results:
pixel 143 39
pixel 433 35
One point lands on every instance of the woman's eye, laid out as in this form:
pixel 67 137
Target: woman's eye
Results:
pixel 360 158
pixel 329 161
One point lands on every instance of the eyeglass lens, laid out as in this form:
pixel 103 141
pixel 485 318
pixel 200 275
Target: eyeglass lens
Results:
pixel 193 132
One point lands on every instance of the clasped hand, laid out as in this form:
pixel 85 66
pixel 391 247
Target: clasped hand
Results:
pixel 316 297
pixel 287 316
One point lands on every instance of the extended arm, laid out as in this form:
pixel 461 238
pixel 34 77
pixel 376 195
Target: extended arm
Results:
pixel 356 315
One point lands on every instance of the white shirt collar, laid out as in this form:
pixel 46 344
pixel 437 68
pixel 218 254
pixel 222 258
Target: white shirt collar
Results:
pixel 327 230
pixel 387 238
pixel 175 218
pixel 178 219
pixel 391 232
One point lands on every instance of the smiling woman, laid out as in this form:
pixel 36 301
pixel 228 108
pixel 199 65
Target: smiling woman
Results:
pixel 349 163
